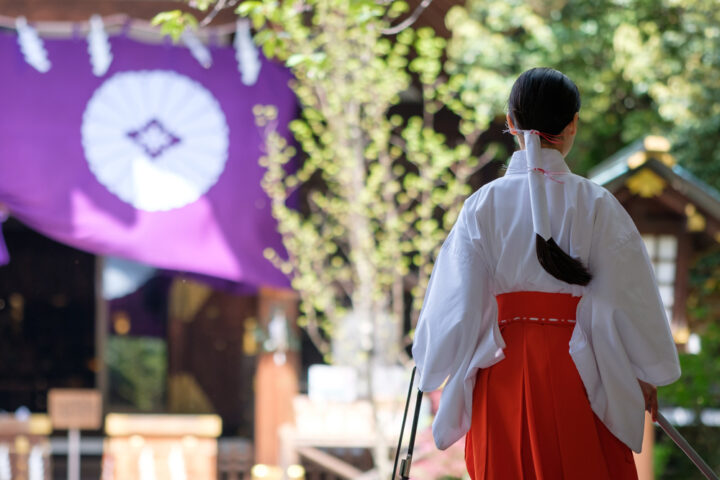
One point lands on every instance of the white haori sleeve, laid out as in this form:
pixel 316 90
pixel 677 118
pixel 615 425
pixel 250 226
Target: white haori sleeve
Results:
pixel 625 334
pixel 457 330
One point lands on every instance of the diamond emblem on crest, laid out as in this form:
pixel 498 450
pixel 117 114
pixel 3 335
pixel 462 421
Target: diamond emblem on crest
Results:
pixel 156 139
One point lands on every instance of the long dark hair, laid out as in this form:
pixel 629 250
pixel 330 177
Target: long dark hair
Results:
pixel 545 100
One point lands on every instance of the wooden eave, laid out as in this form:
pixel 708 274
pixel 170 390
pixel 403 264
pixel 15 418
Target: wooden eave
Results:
pixel 682 187
pixel 79 11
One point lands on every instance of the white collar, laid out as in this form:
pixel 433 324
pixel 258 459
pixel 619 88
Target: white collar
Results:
pixel 550 160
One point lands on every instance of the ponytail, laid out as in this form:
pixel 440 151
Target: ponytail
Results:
pixel 542 103
pixel 559 264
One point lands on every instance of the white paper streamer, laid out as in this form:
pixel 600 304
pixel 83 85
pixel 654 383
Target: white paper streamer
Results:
pixel 176 464
pixel 32 46
pixel 36 467
pixel 197 48
pixel 246 54
pixel 146 464
pixel 5 470
pixel 98 47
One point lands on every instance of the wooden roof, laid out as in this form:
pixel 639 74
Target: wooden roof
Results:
pixel 81 10
pixel 647 170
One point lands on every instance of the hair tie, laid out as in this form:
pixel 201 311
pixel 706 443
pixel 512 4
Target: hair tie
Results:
pixel 551 175
pixel 548 137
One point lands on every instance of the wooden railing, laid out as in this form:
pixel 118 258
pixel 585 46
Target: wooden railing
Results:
pixel 320 465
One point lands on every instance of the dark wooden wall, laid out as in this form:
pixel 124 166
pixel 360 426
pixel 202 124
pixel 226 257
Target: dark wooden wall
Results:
pixel 207 346
pixel 47 312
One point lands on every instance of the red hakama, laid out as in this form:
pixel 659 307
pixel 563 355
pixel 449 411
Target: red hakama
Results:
pixel 531 417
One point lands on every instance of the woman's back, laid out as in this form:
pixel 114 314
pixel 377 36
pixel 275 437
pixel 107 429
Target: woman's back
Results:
pixel 500 214
pixel 622 332
pixel 544 295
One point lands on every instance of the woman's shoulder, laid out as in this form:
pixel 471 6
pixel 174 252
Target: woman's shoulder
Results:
pixel 480 196
pixel 494 187
pixel 600 197
pixel 610 219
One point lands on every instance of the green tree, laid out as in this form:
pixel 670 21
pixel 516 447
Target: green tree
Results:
pixel 493 42
pixel 642 66
pixel 697 390
pixel 381 190
pixel 384 189
pixel 675 56
pixel 137 368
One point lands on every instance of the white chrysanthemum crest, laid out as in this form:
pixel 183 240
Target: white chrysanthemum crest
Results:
pixel 197 48
pixel 246 53
pixel 170 137
pixel 99 46
pixel 32 46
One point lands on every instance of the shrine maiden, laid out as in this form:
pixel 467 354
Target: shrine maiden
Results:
pixel 542 313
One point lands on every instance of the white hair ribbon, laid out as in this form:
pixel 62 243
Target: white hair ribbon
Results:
pixel 536 181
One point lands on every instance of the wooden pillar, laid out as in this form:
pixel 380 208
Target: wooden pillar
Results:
pixel 644 460
pixel 276 380
pixel 101 333
pixel 682 283
pixel 209 371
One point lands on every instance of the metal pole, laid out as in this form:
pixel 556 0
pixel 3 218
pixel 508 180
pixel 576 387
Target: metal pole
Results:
pixel 73 454
pixel 686 447
pixel 402 428
pixel 407 462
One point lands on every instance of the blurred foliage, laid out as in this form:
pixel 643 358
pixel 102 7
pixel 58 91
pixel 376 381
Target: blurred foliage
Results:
pixel 673 53
pixel 174 22
pixel 699 386
pixel 494 42
pixel 695 146
pixel 382 190
pixel 137 368
pixel 642 66
pixel 704 290
pixel 671 463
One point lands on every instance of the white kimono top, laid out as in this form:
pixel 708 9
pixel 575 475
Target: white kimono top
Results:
pixel 621 334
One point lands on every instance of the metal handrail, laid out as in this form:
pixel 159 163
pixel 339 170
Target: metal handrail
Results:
pixel 686 447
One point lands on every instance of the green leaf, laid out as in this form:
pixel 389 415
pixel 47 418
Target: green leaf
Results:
pixel 174 23
pixel 295 60
pixel 202 5
pixel 248 7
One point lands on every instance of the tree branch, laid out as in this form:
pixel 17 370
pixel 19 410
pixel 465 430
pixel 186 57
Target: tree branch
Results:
pixel 408 21
pixel 217 8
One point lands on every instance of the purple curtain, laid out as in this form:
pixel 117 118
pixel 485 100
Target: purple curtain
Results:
pixel 155 161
